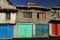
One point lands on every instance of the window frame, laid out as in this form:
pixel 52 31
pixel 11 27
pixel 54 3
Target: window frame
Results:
pixel 27 14
pixel 8 15
pixel 43 15
pixel 38 15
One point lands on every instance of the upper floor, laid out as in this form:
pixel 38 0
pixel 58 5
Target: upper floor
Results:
pixel 30 13
pixel 7 12
pixel 54 13
pixel 37 14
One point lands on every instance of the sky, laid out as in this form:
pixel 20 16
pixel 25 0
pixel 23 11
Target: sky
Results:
pixel 46 3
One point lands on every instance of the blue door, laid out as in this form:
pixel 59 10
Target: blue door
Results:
pixel 9 31
pixel 42 29
pixel 38 29
pixel 6 31
pixel 2 31
pixel 46 29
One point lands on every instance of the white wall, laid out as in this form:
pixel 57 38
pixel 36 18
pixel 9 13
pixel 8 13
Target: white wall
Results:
pixel 13 17
pixel 50 29
pixel 3 18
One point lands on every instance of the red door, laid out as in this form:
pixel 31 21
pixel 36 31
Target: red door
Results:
pixel 58 29
pixel 54 29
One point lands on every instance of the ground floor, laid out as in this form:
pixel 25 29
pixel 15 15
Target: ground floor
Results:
pixel 30 30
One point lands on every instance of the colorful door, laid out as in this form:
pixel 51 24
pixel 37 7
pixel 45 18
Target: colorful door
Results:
pixel 58 28
pixel 2 31
pixel 46 29
pixel 9 31
pixel 38 31
pixel 25 30
pixel 54 29
pixel 6 31
pixel 42 29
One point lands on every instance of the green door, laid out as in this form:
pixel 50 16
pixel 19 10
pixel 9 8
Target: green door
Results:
pixel 24 30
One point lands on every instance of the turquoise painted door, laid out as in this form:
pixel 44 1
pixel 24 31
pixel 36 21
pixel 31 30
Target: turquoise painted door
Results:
pixel 24 30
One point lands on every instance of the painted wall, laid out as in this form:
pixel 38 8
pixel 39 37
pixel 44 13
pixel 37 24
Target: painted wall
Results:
pixel 3 18
pixel 13 18
pixel 50 29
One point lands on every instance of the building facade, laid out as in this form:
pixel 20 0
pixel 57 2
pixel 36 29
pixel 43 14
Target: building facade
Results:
pixel 28 21
pixel 7 19
pixel 39 19
pixel 32 20
pixel 55 20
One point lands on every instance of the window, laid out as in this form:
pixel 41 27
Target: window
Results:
pixel 8 16
pixel 55 15
pixel 44 15
pixel 27 14
pixel 41 15
pixel 37 15
pixel 58 15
